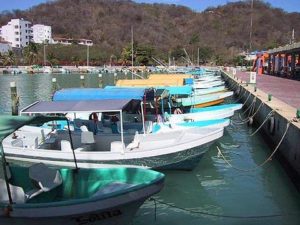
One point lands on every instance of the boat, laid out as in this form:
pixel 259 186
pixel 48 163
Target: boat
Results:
pixel 167 126
pixel 207 84
pixel 204 100
pixel 177 149
pixel 42 195
pixel 205 91
pixel 205 113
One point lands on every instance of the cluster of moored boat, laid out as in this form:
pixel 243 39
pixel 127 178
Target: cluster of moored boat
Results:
pixel 107 140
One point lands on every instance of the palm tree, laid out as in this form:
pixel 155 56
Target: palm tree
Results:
pixel 31 53
pixel 1 59
pixel 9 58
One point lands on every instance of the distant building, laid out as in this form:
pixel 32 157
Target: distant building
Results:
pixel 84 42
pixel 41 34
pixel 4 46
pixel 69 41
pixel 63 41
pixel 17 32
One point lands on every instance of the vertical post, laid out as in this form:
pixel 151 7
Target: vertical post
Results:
pixel 143 118
pixel 45 58
pixel 293 64
pixel 122 132
pixel 131 52
pixel 54 85
pixel 269 64
pixel 14 99
pixel 100 80
pixel 198 57
pixel 251 26
pixel 87 56
pixel 82 81
pixel 273 64
pixel 115 78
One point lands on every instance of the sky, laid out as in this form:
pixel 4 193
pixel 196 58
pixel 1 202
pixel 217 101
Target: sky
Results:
pixel 198 5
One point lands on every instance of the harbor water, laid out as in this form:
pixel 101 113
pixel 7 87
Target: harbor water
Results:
pixel 216 192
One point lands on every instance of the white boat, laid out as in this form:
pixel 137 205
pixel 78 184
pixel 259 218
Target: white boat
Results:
pixel 177 149
pixel 204 100
pixel 41 195
pixel 207 84
pixel 205 91
pixel 207 113
pixel 167 127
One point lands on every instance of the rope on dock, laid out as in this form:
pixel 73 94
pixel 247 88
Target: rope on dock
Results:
pixel 240 98
pixel 217 215
pixel 264 162
pixel 266 119
pixel 250 107
pixel 249 117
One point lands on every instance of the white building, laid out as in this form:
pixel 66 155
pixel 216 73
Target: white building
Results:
pixel 17 32
pixel 4 46
pixel 41 34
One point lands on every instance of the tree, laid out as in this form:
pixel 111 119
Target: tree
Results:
pixel 9 58
pixel 1 59
pixel 31 53
pixel 144 54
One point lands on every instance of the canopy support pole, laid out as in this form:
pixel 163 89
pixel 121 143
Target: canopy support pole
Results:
pixel 5 174
pixel 72 146
pixel 122 131
pixel 143 118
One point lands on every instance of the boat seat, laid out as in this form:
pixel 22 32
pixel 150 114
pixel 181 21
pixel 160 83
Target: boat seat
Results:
pixel 65 146
pixel 113 187
pixel 87 137
pixel 17 143
pixel 84 128
pixel 117 146
pixel 17 193
pixel 135 143
pixel 45 177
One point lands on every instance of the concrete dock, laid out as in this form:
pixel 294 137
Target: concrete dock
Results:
pixel 281 127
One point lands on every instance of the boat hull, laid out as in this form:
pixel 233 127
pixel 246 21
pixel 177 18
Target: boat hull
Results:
pixel 111 211
pixel 181 160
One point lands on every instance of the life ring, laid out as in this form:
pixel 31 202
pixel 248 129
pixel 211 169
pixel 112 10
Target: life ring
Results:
pixel 271 125
pixel 177 111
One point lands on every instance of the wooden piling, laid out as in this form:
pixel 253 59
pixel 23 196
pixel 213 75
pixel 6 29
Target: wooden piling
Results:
pixel 14 99
pixel 82 81
pixel 100 80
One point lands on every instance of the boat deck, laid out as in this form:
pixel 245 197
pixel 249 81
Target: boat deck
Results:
pixel 284 89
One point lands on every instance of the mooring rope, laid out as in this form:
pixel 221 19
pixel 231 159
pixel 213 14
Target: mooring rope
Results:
pixel 264 162
pixel 218 215
pixel 249 117
pixel 250 106
pixel 266 119
pixel 240 98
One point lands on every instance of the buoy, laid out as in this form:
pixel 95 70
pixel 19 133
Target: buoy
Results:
pixel 250 122
pixel 271 125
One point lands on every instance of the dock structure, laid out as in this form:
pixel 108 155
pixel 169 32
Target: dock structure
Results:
pixel 285 59
pixel 276 115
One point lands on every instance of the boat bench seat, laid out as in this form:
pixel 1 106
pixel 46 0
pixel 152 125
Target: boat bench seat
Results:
pixel 45 178
pixel 113 187
pixel 17 143
pixel 17 193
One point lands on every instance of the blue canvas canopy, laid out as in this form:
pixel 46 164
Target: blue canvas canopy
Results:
pixel 172 90
pixel 71 94
pixel 104 105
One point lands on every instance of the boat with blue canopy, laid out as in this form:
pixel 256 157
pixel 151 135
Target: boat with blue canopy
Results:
pixel 45 195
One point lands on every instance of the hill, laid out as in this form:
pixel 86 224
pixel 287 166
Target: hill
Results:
pixel 219 32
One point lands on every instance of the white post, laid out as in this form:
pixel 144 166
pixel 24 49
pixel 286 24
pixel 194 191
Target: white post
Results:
pixel 87 56
pixel 143 118
pixel 122 133
pixel 131 52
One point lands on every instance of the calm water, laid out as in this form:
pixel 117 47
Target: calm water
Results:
pixel 264 196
